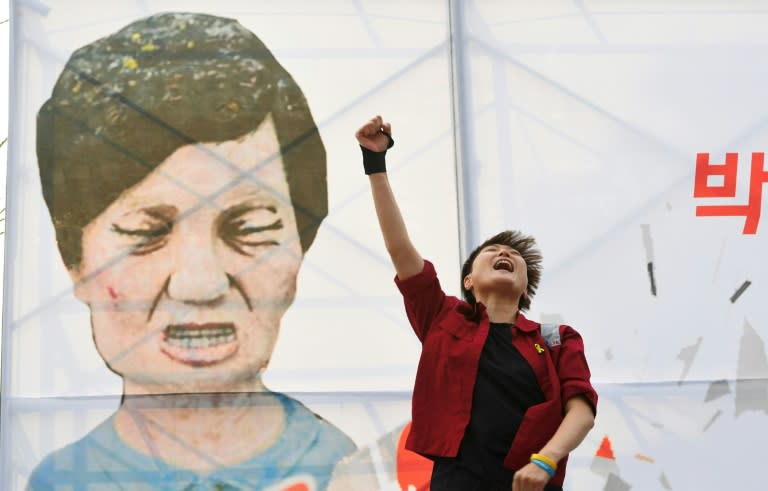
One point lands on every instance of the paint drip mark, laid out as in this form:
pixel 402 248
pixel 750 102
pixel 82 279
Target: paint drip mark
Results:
pixel 712 420
pixel 665 482
pixel 652 278
pixel 751 392
pixel 644 458
pixel 648 245
pixel 687 355
pixel 717 389
pixel 615 483
pixel 741 290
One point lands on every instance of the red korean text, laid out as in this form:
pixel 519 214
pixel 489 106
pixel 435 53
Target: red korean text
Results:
pixel 727 188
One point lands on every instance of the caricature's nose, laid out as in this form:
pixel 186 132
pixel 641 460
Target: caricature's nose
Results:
pixel 198 275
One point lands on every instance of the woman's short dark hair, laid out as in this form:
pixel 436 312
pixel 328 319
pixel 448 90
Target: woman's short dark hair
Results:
pixel 526 246
pixel 126 102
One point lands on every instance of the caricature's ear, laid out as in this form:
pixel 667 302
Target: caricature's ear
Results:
pixel 468 282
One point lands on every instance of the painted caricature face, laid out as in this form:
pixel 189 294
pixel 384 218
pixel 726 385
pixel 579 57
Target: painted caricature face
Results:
pixel 189 272
pixel 498 268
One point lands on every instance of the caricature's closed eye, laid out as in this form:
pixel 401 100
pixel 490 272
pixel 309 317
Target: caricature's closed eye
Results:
pixel 149 229
pixel 247 226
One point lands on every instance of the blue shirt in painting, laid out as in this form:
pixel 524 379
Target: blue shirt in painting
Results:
pixel 306 451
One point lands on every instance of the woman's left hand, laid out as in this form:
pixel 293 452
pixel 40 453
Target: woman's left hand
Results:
pixel 530 478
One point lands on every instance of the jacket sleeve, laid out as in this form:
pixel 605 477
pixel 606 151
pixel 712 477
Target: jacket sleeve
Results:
pixel 423 298
pixel 573 369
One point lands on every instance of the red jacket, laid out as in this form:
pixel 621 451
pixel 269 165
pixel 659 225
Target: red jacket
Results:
pixel 452 334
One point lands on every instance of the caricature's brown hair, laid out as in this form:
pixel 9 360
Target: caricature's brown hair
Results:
pixel 526 246
pixel 126 102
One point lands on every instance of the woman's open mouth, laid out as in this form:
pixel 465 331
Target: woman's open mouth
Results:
pixel 504 265
pixel 200 344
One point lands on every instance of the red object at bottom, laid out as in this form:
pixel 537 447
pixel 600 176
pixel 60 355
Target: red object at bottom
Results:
pixel 412 469
pixel 297 487
pixel 605 450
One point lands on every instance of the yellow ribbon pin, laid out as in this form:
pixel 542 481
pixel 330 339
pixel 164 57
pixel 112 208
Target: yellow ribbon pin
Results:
pixel 539 349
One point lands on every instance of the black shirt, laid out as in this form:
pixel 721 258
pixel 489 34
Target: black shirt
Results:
pixel 505 388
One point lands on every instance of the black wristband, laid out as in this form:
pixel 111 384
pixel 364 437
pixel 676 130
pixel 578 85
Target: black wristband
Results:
pixel 374 162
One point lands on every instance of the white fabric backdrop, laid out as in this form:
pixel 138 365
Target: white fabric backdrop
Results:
pixel 579 123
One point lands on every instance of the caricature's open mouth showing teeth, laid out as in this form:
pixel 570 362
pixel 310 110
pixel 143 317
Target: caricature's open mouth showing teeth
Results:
pixel 504 264
pixel 200 344
pixel 199 336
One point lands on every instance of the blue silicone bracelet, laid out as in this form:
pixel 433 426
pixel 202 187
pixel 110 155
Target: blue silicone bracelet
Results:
pixel 549 470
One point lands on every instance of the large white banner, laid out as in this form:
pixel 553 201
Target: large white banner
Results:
pixel 170 165
pixel 627 137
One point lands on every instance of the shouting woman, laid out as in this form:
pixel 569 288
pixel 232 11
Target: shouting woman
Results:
pixel 499 400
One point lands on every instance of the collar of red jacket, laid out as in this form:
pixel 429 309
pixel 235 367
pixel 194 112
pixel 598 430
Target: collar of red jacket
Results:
pixel 477 313
pixel 524 324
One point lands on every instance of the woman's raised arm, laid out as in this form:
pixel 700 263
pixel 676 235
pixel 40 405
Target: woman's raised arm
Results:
pixel 375 137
